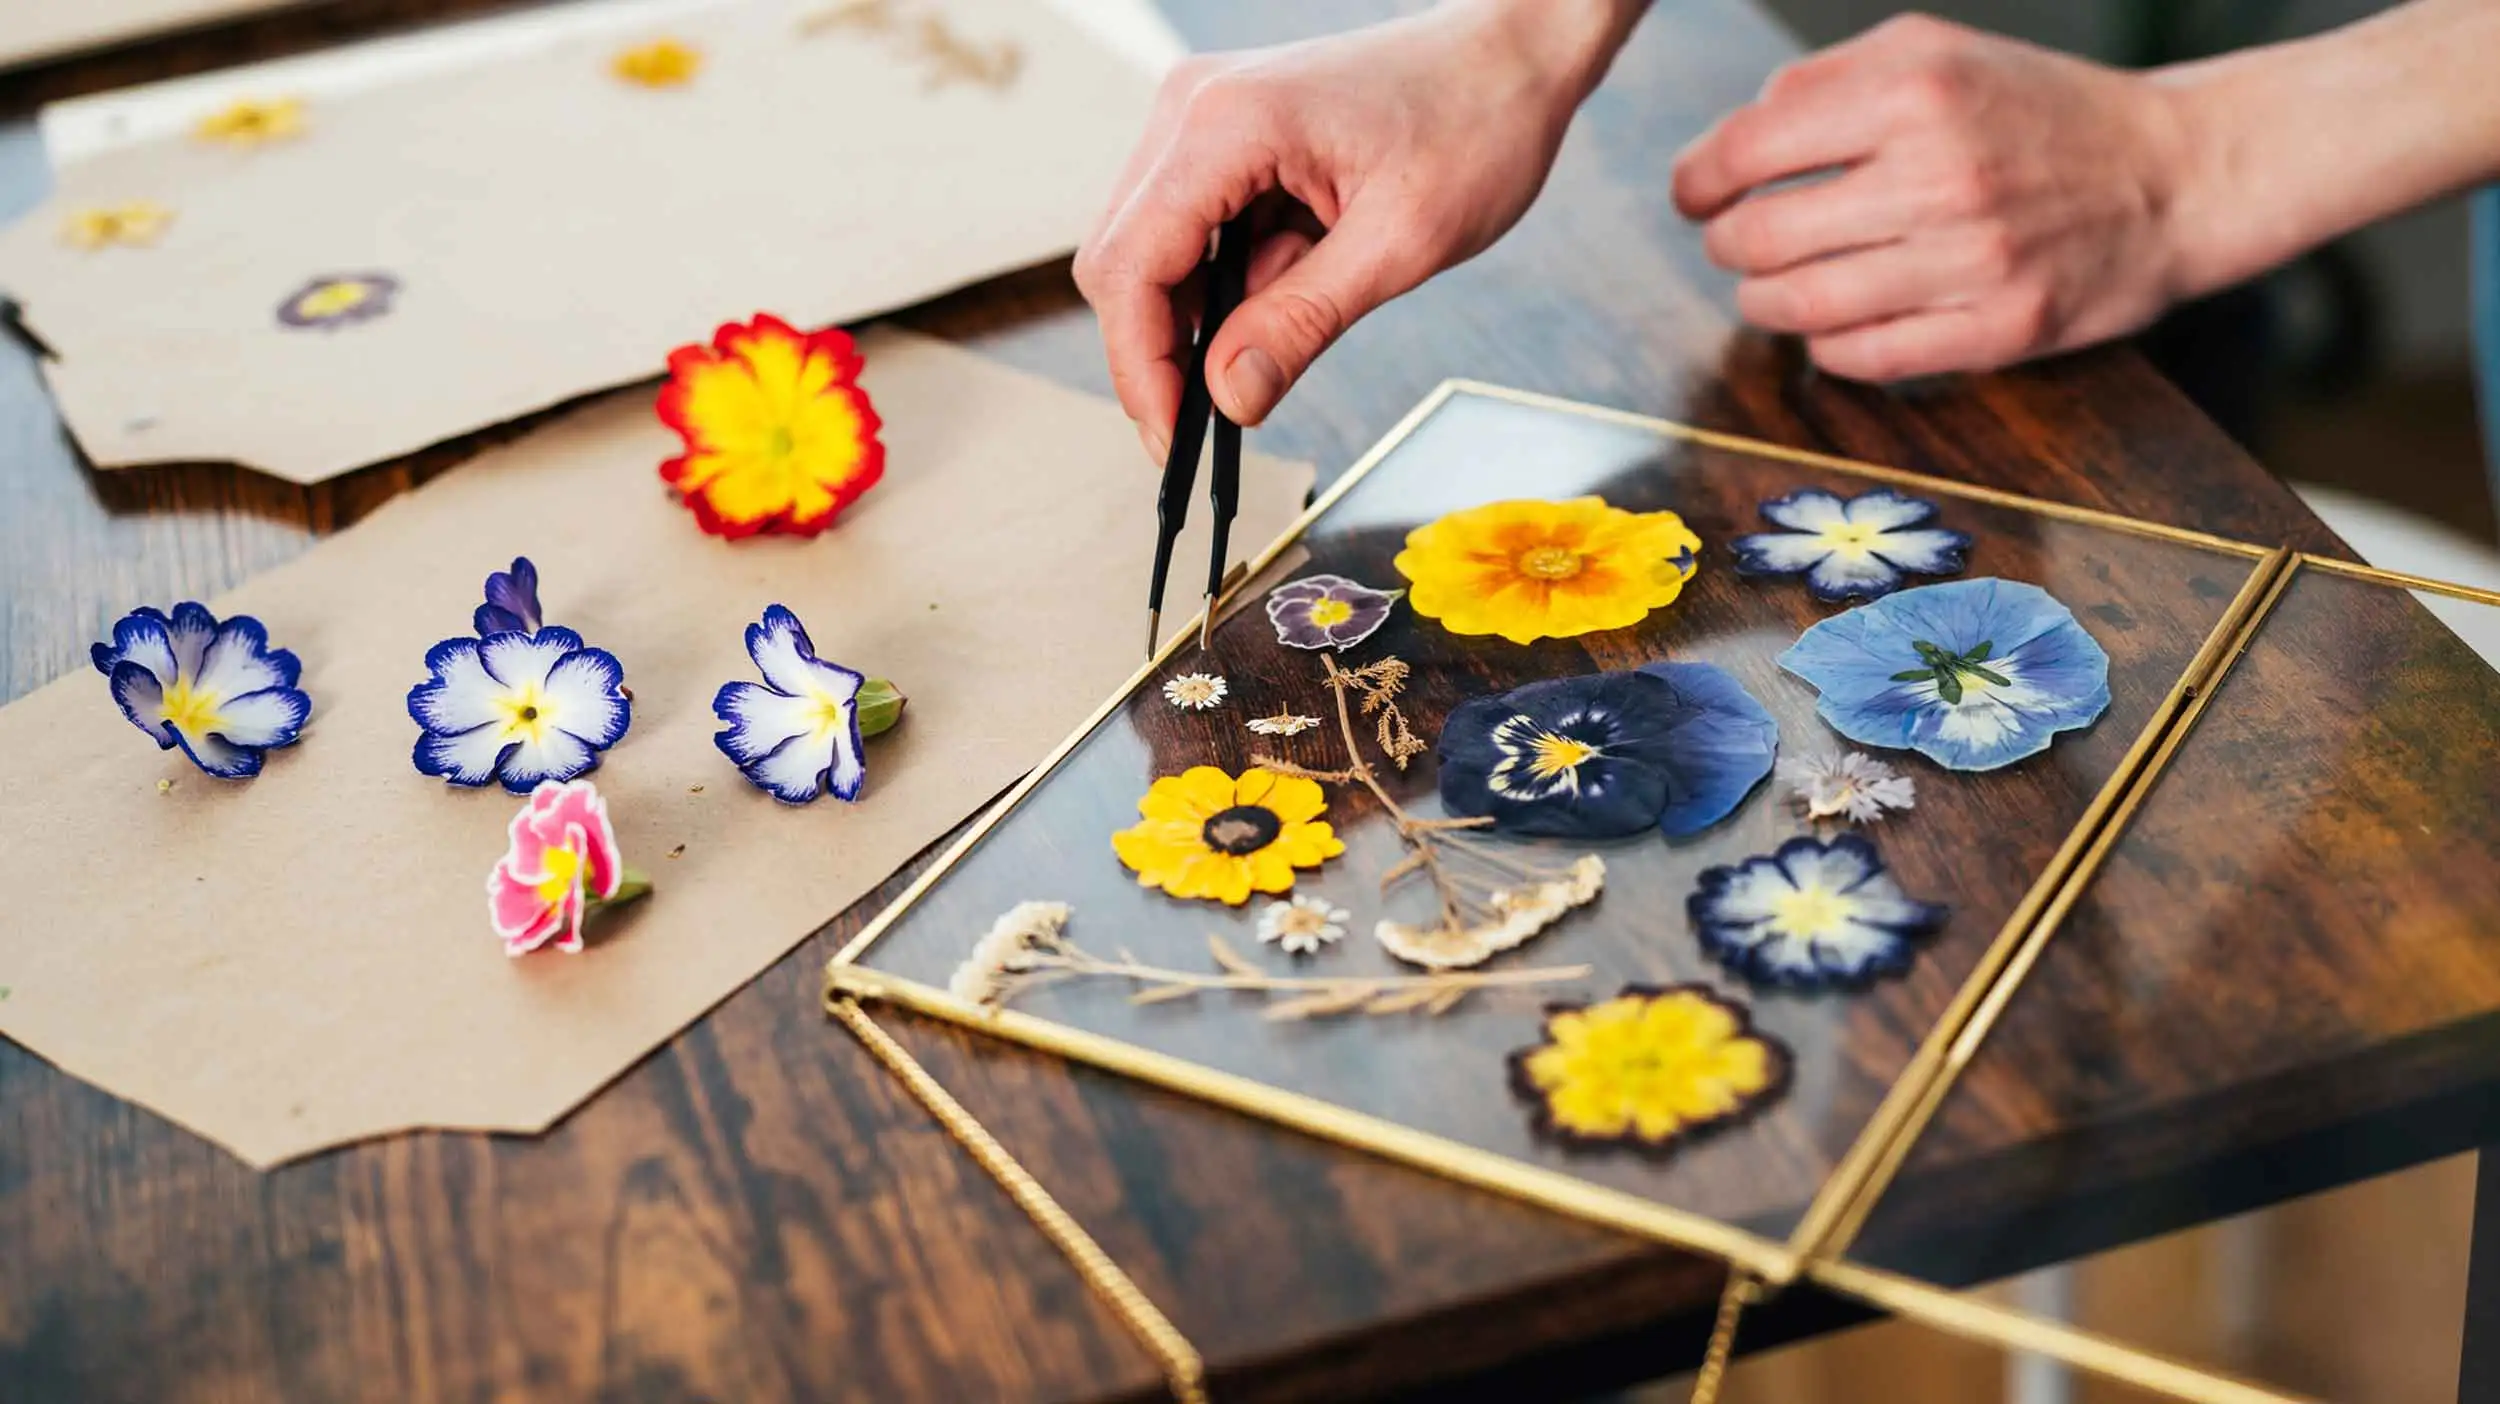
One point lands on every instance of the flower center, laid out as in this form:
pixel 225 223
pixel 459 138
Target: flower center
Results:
pixel 1242 830
pixel 1550 755
pixel 189 711
pixel 1807 913
pixel 331 299
pixel 1550 563
pixel 1850 536
pixel 564 867
pixel 1328 614
pixel 523 714
pixel 778 441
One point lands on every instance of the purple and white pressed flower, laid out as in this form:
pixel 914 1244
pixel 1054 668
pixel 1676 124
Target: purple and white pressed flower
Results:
pixel 1327 611
pixel 339 300
pixel 217 690
pixel 1813 915
pixel 1857 549
pixel 524 702
pixel 799 734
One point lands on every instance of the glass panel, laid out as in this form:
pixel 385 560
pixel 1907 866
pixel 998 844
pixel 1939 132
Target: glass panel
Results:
pixel 2285 976
pixel 1977 841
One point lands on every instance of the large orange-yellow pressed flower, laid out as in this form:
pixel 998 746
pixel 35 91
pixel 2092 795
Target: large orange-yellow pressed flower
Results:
pixel 1207 834
pixel 779 436
pixel 1529 570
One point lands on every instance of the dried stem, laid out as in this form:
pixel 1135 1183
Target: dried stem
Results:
pixel 1052 958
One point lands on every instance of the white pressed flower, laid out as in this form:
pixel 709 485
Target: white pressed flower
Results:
pixel 1851 786
pixel 1194 691
pixel 1304 925
pixel 1282 724
pixel 1005 949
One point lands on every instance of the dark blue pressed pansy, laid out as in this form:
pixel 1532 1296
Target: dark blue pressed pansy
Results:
pixel 1676 746
pixel 1813 915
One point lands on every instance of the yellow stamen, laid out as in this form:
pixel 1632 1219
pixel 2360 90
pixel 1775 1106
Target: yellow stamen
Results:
pixel 1550 563
pixel 190 711
pixel 1328 614
pixel 1850 536
pixel 1552 755
pixel 525 716
pixel 563 867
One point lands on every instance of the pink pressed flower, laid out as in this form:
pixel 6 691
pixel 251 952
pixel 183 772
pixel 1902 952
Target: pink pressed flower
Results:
pixel 562 859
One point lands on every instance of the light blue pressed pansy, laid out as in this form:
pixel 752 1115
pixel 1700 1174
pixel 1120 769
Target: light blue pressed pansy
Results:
pixel 1973 674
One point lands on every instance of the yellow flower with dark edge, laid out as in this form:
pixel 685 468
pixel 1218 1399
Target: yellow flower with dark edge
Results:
pixel 662 63
pixel 252 121
pixel 1207 834
pixel 1529 570
pixel 136 224
pixel 1648 1067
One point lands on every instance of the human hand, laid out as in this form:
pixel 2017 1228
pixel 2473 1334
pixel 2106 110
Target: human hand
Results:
pixel 1989 202
pixel 1413 145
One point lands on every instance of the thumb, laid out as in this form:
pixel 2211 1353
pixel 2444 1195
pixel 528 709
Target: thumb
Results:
pixel 1280 330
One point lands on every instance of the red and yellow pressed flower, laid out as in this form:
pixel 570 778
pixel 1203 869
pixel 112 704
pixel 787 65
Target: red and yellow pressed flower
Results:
pixel 779 436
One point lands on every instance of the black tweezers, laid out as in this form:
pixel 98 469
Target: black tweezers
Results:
pixel 1227 277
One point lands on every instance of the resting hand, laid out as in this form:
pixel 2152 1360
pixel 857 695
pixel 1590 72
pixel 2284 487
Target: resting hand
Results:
pixel 1986 201
pixel 1409 146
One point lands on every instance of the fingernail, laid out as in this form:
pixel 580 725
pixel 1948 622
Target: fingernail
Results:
pixel 1156 441
pixel 1256 384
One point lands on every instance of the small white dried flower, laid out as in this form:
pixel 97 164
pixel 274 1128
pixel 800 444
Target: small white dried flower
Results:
pixel 1304 925
pixel 1519 913
pixel 1005 949
pixel 1851 786
pixel 1282 724
pixel 1194 691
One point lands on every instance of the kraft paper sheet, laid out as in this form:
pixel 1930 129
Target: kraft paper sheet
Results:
pixel 303 959
pixel 554 229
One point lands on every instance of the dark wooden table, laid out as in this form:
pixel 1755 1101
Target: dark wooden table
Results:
pixel 757 1212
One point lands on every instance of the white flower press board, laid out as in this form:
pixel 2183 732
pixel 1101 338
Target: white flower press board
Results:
pixel 555 230
pixel 304 959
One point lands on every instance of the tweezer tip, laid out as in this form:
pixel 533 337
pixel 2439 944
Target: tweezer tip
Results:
pixel 1206 624
pixel 1154 632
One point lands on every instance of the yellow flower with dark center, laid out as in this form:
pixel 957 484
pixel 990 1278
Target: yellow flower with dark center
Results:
pixel 662 63
pixel 1529 570
pixel 1648 1066
pixel 1207 834
pixel 136 224
pixel 252 121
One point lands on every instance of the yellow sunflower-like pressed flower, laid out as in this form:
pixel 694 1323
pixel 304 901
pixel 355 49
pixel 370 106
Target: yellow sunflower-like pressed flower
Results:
pixel 136 224
pixel 1529 570
pixel 662 63
pixel 252 121
pixel 1649 1066
pixel 1208 834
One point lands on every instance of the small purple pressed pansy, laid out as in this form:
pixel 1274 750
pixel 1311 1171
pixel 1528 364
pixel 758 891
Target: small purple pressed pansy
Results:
pixel 1327 611
pixel 338 300
pixel 217 690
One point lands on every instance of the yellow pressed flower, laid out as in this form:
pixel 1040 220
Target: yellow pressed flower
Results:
pixel 1206 834
pixel 662 63
pixel 251 121
pixel 136 224
pixel 1529 570
pixel 1648 1066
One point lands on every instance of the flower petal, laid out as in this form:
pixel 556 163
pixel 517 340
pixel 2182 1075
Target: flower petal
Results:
pixel 550 754
pixel 140 637
pixel 1779 552
pixel 142 700
pixel 468 757
pixel 786 657
pixel 239 660
pixel 462 695
pixel 1888 510
pixel 522 661
pixel 273 716
pixel 583 697
pixel 1806 510
pixel 217 757
pixel 1931 551
pixel 190 630
pixel 760 720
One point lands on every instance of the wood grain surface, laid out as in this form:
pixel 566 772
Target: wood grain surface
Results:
pixel 755 1213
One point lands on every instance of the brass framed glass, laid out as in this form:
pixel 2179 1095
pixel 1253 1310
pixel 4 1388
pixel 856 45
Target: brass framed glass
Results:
pixel 2275 971
pixel 1433 1089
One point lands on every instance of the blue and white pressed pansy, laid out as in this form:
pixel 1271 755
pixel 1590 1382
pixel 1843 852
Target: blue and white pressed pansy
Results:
pixel 1973 674
pixel 523 703
pixel 217 690
pixel 1857 549
pixel 1674 746
pixel 1813 915
pixel 799 734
